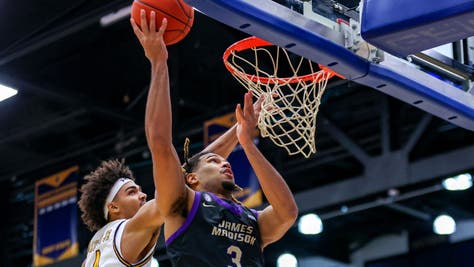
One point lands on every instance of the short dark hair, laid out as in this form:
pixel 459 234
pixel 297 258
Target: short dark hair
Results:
pixel 96 188
pixel 191 164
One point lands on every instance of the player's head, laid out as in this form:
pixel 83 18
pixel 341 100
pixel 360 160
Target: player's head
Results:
pixel 109 193
pixel 207 171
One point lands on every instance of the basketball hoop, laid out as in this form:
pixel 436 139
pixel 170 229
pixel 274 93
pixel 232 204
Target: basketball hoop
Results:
pixel 288 114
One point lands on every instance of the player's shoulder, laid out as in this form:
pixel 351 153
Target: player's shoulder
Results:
pixel 113 225
pixel 207 197
pixel 116 223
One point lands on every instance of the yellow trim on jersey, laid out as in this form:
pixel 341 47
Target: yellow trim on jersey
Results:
pixel 122 260
pixel 97 258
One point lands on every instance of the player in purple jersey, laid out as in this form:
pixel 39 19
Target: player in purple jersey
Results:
pixel 230 234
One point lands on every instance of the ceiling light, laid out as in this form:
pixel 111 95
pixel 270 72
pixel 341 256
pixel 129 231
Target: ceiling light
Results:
pixel 458 182
pixel 6 92
pixel 310 224
pixel 114 17
pixel 287 260
pixel 444 225
pixel 344 209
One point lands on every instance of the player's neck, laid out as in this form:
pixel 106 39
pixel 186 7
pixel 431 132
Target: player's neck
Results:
pixel 227 196
pixel 118 216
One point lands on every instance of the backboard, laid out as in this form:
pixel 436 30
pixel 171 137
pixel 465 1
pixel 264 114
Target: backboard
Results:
pixel 329 33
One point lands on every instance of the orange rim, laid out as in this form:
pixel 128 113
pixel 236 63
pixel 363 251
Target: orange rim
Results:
pixel 254 42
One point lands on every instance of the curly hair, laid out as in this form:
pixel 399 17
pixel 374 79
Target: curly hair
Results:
pixel 96 188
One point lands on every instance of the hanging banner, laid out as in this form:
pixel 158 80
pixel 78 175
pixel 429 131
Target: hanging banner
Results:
pixel 251 195
pixel 55 235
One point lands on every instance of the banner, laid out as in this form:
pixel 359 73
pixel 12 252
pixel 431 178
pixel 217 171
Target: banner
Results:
pixel 55 232
pixel 244 176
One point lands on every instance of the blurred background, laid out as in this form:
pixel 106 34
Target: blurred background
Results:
pixel 372 191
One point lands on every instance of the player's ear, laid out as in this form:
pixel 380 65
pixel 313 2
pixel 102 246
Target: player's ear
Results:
pixel 192 179
pixel 113 208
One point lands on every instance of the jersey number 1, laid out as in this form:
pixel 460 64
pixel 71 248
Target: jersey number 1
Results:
pixel 97 258
pixel 236 255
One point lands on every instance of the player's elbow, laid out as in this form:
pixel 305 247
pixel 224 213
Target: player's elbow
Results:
pixel 292 214
pixel 287 214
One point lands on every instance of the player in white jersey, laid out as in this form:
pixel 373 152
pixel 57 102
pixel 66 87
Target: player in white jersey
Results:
pixel 105 247
pixel 127 226
pixel 112 203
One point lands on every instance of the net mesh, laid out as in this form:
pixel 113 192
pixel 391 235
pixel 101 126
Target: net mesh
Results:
pixel 291 104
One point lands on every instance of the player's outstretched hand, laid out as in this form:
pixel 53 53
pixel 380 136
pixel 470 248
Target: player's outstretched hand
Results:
pixel 246 119
pixel 151 39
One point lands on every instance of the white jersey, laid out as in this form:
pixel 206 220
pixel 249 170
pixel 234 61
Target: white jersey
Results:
pixel 104 248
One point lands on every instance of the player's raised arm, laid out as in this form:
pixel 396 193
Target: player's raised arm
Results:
pixel 225 143
pixel 141 231
pixel 276 219
pixel 167 173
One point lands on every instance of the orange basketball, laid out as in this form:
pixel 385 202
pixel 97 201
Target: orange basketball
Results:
pixel 180 17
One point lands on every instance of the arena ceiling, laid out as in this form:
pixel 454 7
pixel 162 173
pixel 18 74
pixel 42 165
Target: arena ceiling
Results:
pixel 82 91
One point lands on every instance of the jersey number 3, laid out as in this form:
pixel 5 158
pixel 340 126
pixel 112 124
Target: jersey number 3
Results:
pixel 236 255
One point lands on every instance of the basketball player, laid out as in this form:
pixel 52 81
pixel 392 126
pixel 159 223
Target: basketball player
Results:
pixel 207 228
pixel 112 203
pixel 128 226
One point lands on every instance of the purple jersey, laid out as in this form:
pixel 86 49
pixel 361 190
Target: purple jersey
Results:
pixel 216 233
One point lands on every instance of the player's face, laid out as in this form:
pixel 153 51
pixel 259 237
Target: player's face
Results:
pixel 130 198
pixel 212 171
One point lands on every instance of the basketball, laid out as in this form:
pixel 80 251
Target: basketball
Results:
pixel 180 17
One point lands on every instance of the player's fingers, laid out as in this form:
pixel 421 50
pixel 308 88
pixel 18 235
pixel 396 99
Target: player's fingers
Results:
pixel 248 104
pixel 164 24
pixel 143 22
pixel 135 28
pixel 152 21
pixel 257 106
pixel 239 114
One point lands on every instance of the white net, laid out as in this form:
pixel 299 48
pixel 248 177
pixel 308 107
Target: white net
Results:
pixel 288 114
